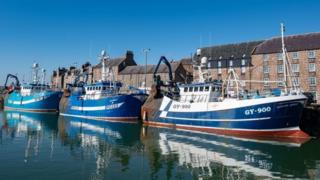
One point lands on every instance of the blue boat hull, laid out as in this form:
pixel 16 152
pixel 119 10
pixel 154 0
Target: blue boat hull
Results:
pixel 47 101
pixel 121 107
pixel 278 118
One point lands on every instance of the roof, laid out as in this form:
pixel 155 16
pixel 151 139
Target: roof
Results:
pixel 111 62
pixel 300 42
pixel 140 69
pixel 186 61
pixel 229 51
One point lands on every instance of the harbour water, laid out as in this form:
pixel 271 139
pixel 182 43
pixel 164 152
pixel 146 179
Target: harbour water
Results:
pixel 46 146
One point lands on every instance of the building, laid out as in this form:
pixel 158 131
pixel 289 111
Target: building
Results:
pixel 137 75
pixel 221 58
pixel 116 64
pixel 304 54
pixel 63 76
pixel 125 70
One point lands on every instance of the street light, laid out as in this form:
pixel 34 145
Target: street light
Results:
pixel 146 51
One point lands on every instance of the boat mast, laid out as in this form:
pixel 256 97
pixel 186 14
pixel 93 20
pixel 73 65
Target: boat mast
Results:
pixel 35 69
pixel 284 59
pixel 103 70
pixel 43 77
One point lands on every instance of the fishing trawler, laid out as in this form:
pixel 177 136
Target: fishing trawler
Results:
pixel 223 107
pixel 102 100
pixel 35 97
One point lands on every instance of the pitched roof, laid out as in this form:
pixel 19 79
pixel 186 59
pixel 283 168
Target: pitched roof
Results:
pixel 186 61
pixel 140 69
pixel 300 42
pixel 111 62
pixel 229 51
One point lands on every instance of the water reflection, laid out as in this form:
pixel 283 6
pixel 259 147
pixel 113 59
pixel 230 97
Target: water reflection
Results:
pixel 43 145
pixel 104 140
pixel 220 157
pixel 30 127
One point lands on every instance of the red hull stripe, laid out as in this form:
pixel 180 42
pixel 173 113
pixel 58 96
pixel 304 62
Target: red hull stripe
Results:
pixel 295 133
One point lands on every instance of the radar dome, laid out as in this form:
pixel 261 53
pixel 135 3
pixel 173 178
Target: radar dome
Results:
pixel 198 52
pixel 35 65
pixel 103 53
pixel 204 60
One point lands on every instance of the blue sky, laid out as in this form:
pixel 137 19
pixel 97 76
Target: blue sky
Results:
pixel 61 32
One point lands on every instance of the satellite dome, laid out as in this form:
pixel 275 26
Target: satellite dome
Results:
pixel 198 52
pixel 35 65
pixel 204 60
pixel 103 53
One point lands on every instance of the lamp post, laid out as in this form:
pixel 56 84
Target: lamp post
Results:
pixel 146 51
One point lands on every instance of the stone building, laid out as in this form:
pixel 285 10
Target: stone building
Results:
pixel 221 58
pixel 117 65
pixel 304 54
pixel 63 76
pixel 188 66
pixel 125 70
pixel 135 75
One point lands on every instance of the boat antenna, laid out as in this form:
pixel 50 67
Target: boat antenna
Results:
pixel 284 57
pixel 35 69
pixel 43 76
pixel 103 62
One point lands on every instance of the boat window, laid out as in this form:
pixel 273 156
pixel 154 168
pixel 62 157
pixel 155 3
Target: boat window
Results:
pixel 213 88
pixel 201 88
pixel 196 89
pixel 185 89
pixel 104 88
pixel 206 88
pixel 190 89
pixel 99 88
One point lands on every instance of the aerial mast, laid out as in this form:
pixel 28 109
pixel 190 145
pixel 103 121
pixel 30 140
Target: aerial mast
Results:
pixel 284 59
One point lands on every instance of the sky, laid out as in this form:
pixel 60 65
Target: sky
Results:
pixel 61 33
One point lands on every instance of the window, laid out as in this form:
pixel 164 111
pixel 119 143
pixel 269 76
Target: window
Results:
pixel 219 63
pixel 209 64
pixel 311 54
pixel 230 63
pixel 266 69
pixel 243 69
pixel 296 81
pixel 266 83
pixel 312 67
pixel 312 81
pixel 190 89
pixel 104 88
pixel 243 62
pixel 185 89
pixel 295 67
pixel 295 55
pixel 279 56
pixel 281 81
pixel 196 89
pixel 201 88
pixel 265 57
pixel 280 68
pixel 206 88
pixel 219 70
